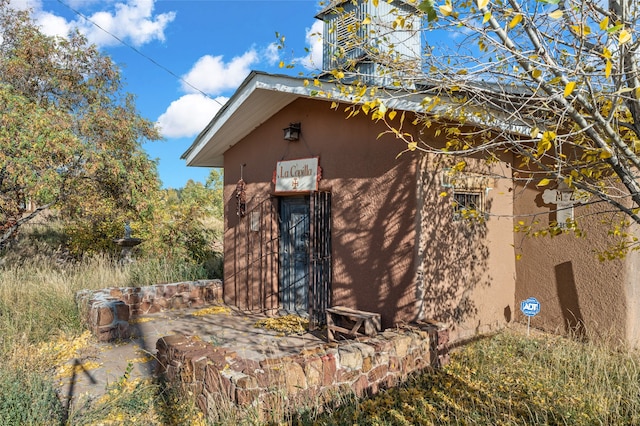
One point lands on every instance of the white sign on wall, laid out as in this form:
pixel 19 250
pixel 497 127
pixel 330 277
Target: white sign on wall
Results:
pixel 300 175
pixel 564 198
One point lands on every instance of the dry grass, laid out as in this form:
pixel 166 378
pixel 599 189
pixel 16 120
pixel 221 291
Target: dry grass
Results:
pixel 506 379
pixel 40 329
pixel 511 379
pixel 37 298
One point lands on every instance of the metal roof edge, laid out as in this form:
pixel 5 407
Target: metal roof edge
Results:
pixel 327 91
pixel 197 141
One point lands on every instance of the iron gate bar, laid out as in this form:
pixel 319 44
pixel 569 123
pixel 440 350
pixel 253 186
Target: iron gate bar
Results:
pixel 320 258
pixel 259 251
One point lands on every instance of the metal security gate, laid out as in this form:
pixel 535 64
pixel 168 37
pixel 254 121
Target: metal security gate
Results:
pixel 305 256
pixel 320 258
pixel 281 257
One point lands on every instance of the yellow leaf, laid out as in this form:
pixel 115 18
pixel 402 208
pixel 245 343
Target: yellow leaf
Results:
pixel 392 115
pixel 543 146
pixel 446 9
pixel 411 146
pixel 607 69
pixel 604 154
pixel 536 73
pixel 486 18
pixel 580 30
pixel 482 4
pixel 518 256
pixel 534 132
pixel 281 64
pixel 624 37
pixel 546 142
pixel 375 3
pixel 606 53
pixel 556 14
pixel 443 194
pixel 460 165
pixel 604 24
pixel 544 182
pixel 516 20
pixel 568 89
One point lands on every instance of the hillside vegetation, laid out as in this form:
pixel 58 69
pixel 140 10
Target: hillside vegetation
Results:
pixel 504 379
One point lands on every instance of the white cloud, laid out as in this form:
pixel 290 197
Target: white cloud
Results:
pixel 25 4
pixel 54 25
pixel 272 54
pixel 313 37
pixel 187 116
pixel 133 22
pixel 212 75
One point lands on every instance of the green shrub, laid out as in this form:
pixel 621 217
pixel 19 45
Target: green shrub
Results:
pixel 28 399
pixel 138 403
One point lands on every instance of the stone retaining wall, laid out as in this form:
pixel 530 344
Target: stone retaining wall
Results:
pixel 217 375
pixel 107 312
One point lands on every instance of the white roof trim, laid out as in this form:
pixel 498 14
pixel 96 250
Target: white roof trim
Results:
pixel 262 95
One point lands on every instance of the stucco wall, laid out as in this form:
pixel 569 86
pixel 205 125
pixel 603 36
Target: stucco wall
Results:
pixel 396 250
pixel 565 275
pixel 373 202
pixel 466 268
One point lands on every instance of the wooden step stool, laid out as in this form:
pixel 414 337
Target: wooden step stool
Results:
pixel 351 322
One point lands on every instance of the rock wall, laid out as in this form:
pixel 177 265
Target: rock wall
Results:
pixel 107 312
pixel 216 375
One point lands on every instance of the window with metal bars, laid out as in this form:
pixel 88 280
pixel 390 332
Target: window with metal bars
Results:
pixel 467 205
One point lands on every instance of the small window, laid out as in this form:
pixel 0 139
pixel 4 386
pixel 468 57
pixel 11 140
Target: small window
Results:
pixel 467 205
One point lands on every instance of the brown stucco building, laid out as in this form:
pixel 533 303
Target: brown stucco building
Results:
pixel 342 214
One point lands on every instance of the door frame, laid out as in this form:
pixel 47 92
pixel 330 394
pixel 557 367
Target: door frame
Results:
pixel 293 285
pixel 319 255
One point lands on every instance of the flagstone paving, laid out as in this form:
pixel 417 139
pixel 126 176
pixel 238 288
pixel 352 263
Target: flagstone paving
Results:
pixel 100 364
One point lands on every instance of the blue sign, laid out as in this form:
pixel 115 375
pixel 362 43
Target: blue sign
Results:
pixel 530 307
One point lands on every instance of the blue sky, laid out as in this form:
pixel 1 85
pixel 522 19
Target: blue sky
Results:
pixel 211 44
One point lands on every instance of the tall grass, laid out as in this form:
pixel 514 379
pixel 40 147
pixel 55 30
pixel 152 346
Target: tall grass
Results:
pixel 40 324
pixel 37 297
pixel 511 379
pixel 139 402
pixel 505 379
pixel 155 271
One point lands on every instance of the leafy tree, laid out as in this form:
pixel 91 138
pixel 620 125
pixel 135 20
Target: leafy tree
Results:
pixel 186 224
pixel 71 138
pixel 554 82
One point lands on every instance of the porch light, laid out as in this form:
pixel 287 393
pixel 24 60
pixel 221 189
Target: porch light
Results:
pixel 292 133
